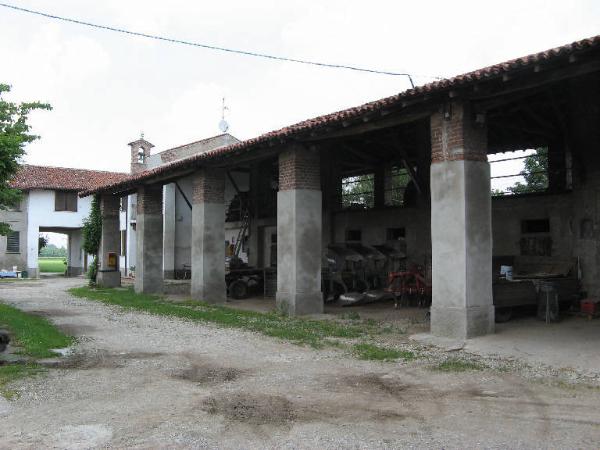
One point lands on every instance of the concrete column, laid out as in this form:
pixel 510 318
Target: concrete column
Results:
pixel 75 263
pixel 109 243
pixel 299 222
pixel 169 231
pixel 149 249
pixel 208 235
pixel 33 234
pixel 461 230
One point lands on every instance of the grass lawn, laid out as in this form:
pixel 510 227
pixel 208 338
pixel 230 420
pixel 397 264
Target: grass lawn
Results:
pixel 52 265
pixel 316 333
pixel 35 336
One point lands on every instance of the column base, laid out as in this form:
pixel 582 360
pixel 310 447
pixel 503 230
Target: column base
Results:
pixel 462 323
pixel 299 303
pixel 108 279
pixel 74 271
pixel 169 274
pixel 33 272
pixel 209 294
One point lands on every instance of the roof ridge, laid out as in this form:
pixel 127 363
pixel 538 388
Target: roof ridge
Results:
pixel 72 168
pixel 196 142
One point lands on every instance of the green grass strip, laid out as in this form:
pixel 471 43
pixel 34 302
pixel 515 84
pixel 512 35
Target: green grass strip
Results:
pixel 35 335
pixel 379 353
pixel 301 331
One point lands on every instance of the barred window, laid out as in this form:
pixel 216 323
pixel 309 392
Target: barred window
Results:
pixel 358 192
pixel 13 242
pixel 395 186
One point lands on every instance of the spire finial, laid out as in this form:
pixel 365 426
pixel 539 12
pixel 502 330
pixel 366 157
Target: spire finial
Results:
pixel 223 125
pixel 142 135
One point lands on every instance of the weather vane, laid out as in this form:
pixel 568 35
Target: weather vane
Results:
pixel 223 125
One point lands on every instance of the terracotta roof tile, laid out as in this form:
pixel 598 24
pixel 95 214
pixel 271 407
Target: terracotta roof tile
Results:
pixel 62 178
pixel 485 73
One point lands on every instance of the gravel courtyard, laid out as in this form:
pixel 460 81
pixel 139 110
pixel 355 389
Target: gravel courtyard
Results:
pixel 141 381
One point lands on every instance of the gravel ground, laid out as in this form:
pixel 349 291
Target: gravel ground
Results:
pixel 140 381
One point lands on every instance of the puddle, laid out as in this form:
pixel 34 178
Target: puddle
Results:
pixel 97 360
pixel 253 409
pixel 209 374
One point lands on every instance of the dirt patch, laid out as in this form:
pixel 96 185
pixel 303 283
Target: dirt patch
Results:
pixel 99 360
pixel 252 409
pixel 207 374
pixel 76 330
pixel 54 313
pixel 372 383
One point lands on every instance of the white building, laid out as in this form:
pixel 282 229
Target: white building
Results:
pixel 49 204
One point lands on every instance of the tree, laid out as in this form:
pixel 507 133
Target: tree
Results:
pixel 535 173
pixel 92 233
pixel 14 134
pixel 42 242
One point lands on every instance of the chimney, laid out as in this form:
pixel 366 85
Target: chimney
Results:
pixel 140 152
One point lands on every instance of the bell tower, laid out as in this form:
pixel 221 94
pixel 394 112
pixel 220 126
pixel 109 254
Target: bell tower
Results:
pixel 140 151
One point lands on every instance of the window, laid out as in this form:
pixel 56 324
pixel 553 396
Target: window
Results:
pixel 13 242
pixel 393 234
pixel 535 239
pixel 65 201
pixel 358 192
pixel 353 235
pixel 396 182
pixel 535 226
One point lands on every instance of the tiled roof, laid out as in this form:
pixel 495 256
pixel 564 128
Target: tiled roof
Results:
pixel 62 178
pixel 498 70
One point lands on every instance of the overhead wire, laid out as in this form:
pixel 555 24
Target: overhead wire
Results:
pixel 209 46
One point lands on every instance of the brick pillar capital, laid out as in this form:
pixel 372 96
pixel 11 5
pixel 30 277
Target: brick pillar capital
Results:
pixel 208 186
pixel 456 136
pixel 299 168
pixel 109 205
pixel 149 199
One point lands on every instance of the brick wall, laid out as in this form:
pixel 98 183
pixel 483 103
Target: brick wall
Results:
pixel 457 137
pixel 208 186
pixel 149 199
pixel 299 169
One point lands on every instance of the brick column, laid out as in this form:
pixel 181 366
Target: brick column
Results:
pixel 208 236
pixel 149 234
pixel 110 243
pixel 461 230
pixel 299 222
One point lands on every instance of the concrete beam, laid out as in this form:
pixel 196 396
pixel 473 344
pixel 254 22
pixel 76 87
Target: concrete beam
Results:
pixel 149 234
pixel 461 230
pixel 208 236
pixel 299 233
pixel 109 276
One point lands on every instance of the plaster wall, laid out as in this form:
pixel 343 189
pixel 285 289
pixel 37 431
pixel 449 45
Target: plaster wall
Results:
pixel 17 219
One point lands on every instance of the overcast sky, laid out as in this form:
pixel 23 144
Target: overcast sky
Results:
pixel 106 88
